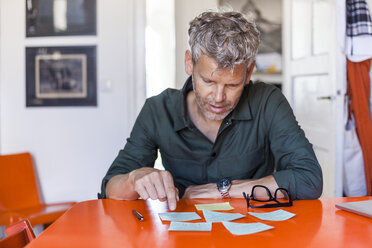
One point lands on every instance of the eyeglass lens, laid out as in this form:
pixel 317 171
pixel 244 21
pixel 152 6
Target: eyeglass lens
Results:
pixel 261 193
pixel 281 193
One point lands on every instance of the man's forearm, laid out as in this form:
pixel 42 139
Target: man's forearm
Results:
pixel 120 187
pixel 236 191
pixel 240 186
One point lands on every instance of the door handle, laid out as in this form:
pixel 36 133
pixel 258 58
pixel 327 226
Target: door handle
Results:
pixel 330 98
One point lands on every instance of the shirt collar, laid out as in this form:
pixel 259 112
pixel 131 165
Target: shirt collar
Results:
pixel 182 120
pixel 242 111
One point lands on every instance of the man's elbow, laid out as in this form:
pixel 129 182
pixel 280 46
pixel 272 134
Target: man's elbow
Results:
pixel 310 191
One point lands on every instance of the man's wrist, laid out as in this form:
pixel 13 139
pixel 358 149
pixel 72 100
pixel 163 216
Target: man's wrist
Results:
pixel 240 186
pixel 223 186
pixel 202 191
pixel 121 187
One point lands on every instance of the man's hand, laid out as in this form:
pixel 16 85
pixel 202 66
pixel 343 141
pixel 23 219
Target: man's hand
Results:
pixel 155 184
pixel 202 191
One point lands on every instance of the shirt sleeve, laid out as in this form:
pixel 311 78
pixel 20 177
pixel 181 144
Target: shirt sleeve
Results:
pixel 297 168
pixel 139 151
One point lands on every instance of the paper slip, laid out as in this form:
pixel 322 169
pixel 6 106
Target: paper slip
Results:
pixel 179 216
pixel 214 206
pixel 184 226
pixel 275 215
pixel 245 228
pixel 211 216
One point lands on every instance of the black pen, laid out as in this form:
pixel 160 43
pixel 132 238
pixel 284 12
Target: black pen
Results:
pixel 138 215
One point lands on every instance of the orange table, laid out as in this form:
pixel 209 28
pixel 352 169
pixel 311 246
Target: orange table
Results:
pixel 110 223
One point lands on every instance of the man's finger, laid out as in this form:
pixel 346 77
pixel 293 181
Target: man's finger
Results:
pixel 141 190
pixel 150 188
pixel 170 190
pixel 159 186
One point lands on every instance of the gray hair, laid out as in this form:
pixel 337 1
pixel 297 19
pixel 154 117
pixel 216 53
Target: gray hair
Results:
pixel 228 37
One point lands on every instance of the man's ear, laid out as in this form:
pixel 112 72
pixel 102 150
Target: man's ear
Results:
pixel 250 71
pixel 188 63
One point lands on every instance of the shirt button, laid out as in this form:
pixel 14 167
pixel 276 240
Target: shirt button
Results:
pixel 214 155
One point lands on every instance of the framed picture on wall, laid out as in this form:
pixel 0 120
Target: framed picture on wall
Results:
pixel 60 17
pixel 267 14
pixel 61 76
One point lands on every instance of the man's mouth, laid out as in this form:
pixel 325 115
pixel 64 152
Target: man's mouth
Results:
pixel 216 109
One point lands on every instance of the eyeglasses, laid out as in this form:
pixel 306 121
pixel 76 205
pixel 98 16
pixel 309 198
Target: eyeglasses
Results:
pixel 259 195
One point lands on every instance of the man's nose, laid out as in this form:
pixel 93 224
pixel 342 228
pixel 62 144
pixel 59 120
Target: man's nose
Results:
pixel 220 94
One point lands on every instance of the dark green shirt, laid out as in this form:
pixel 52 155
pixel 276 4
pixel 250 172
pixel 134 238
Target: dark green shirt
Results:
pixel 260 137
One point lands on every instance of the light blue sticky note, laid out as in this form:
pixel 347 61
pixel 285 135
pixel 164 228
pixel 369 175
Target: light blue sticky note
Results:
pixel 212 216
pixel 245 228
pixel 179 216
pixel 184 226
pixel 2 232
pixel 275 215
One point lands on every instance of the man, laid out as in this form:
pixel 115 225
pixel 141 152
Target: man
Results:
pixel 221 134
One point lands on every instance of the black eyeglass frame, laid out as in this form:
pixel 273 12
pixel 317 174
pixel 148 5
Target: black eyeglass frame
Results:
pixel 278 204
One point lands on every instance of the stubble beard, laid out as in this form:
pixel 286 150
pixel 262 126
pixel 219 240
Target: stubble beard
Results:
pixel 208 114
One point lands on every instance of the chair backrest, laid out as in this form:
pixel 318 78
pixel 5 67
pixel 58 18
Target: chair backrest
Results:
pixel 18 187
pixel 18 235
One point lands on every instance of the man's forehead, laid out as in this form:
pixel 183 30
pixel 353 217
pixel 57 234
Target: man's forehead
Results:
pixel 207 61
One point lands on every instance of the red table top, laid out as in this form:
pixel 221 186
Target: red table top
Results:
pixel 111 223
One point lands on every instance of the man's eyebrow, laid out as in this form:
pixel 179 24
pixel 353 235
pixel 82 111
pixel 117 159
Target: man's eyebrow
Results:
pixel 235 84
pixel 206 79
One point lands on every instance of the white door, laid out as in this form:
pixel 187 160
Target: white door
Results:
pixel 313 77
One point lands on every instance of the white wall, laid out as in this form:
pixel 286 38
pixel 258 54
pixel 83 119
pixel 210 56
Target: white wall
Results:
pixel 74 146
pixel 185 11
pixel 160 46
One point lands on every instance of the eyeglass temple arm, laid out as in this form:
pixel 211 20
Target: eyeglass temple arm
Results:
pixel 246 198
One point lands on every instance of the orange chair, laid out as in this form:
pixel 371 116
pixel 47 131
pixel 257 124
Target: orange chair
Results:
pixel 18 235
pixel 19 193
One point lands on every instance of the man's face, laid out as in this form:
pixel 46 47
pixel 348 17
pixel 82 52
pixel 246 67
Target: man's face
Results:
pixel 217 91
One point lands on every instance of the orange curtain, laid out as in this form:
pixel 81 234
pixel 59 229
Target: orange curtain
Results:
pixel 359 93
